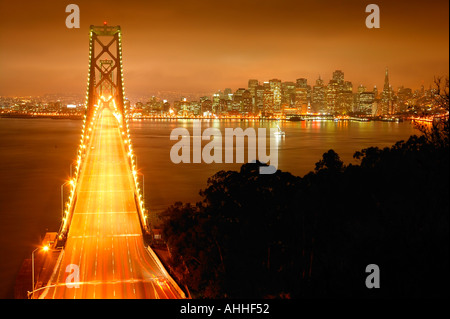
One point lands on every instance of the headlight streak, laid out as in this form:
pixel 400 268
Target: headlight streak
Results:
pixel 84 142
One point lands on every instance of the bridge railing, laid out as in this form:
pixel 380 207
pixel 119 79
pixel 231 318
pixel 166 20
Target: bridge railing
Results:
pixel 124 128
pixel 83 148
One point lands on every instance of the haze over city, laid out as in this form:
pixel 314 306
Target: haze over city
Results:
pixel 204 46
pixel 319 153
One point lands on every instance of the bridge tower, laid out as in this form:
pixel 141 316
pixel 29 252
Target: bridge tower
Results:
pixel 105 67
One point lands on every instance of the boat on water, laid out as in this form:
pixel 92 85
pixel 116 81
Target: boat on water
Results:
pixel 279 132
pixel 295 118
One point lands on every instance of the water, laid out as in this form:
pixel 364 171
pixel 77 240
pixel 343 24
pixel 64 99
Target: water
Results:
pixel 35 156
pixel 299 150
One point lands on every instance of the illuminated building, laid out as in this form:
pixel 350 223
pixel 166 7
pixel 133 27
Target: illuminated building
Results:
pixel 227 93
pixel 331 95
pixel 206 105
pixel 252 84
pixel 275 87
pixel 302 101
pixel 184 107
pixel 366 100
pixel 386 96
pixel 339 94
pixel 288 93
pixel 259 99
pixel 338 76
pixel 215 101
pixel 318 96
pixel 404 99
pixel 166 106
pixel 268 105
pixel 247 102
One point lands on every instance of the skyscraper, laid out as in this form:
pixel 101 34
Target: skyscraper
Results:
pixel 275 87
pixel 386 96
pixel 338 76
pixel 302 82
pixel 404 98
pixel 339 95
pixel 356 105
pixel 386 81
pixel 301 95
pixel 205 104
pixel 288 94
pixel 345 98
pixel 259 98
pixel 366 100
pixel 252 84
pixel 237 99
pixel 215 101
pixel 247 102
pixel 318 96
pixel 268 106
pixel 228 93
pixel 331 96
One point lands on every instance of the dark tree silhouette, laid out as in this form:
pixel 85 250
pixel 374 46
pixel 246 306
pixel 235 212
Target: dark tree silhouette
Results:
pixel 330 160
pixel 282 236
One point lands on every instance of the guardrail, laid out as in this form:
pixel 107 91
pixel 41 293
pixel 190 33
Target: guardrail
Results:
pixel 138 196
pixel 166 274
pixel 83 149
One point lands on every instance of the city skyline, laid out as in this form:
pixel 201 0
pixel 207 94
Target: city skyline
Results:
pixel 259 98
pixel 162 94
pixel 200 47
pixel 319 151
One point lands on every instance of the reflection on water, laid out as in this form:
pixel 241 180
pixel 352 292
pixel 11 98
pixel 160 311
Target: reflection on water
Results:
pixel 298 151
pixel 36 156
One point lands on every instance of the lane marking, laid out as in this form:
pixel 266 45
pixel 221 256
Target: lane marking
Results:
pixel 106 213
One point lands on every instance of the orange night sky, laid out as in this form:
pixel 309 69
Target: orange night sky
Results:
pixel 202 46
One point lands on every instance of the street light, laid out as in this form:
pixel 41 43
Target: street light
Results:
pixel 45 249
pixel 62 198
pixel 71 168
pixel 143 186
pixel 71 181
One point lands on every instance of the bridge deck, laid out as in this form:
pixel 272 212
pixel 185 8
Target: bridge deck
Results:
pixel 105 238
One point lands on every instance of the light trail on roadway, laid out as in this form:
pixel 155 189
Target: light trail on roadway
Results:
pixel 105 238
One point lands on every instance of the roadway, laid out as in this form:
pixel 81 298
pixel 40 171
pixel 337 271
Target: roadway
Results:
pixel 105 238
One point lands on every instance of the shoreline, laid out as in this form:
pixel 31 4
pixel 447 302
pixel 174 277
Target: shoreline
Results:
pixel 32 116
pixel 304 119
